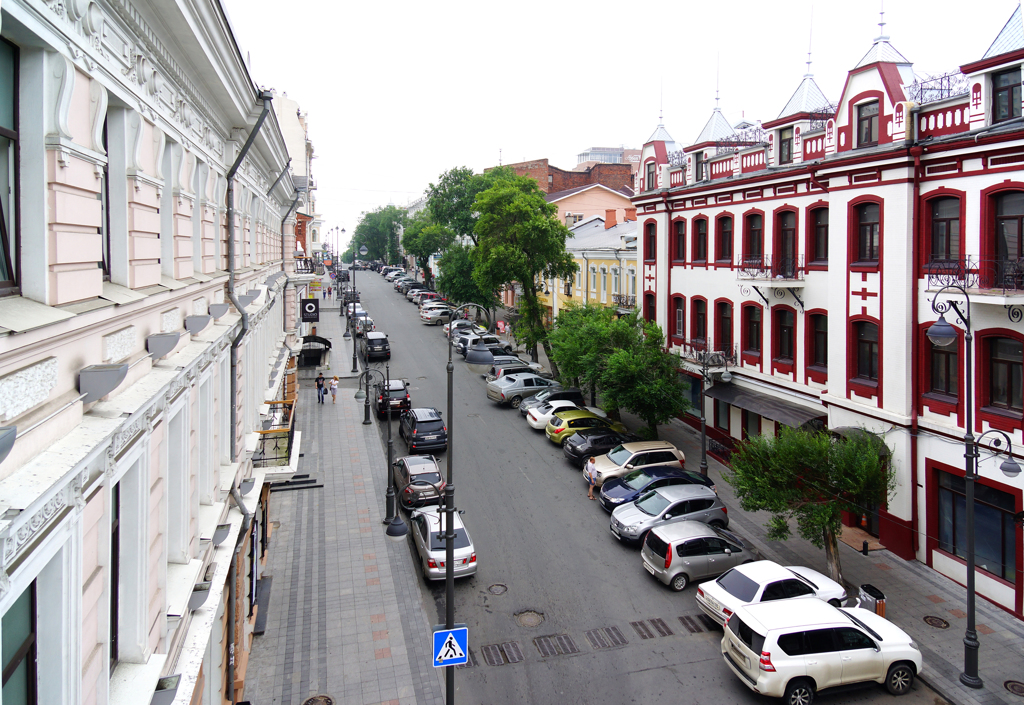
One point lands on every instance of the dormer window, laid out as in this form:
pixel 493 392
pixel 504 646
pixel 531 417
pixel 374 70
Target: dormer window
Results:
pixel 650 183
pixel 699 161
pixel 786 146
pixel 867 124
pixel 1005 95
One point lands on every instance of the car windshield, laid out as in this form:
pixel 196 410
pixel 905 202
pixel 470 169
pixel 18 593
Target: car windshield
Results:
pixel 541 396
pixel 426 478
pixel 429 426
pixel 652 503
pixel 636 480
pixel 544 409
pixel 738 585
pixel 437 540
pixel 619 455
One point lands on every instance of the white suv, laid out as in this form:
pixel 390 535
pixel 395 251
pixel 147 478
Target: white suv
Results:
pixel 782 651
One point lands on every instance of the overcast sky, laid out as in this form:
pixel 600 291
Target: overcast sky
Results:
pixel 398 92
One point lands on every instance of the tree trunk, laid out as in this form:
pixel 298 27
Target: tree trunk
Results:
pixel 835 568
pixel 551 360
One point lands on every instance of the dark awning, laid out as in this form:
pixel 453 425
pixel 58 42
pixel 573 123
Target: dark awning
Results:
pixel 767 406
pixel 306 339
pixel 856 431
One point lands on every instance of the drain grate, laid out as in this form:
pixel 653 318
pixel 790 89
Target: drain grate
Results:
pixel 606 638
pixel 500 654
pixel 1015 687
pixel 661 627
pixel 497 589
pixel 937 622
pixel 642 630
pixel 492 655
pixel 513 654
pixel 555 645
pixel 691 624
pixel 319 700
pixel 471 662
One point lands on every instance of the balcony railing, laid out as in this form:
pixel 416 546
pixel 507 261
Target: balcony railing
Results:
pixel 624 301
pixel 275 442
pixel 304 265
pixel 771 268
pixel 697 350
pixel 998 275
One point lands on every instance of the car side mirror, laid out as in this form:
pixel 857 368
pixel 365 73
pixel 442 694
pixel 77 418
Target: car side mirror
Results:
pixel 666 517
pixel 728 552
pixel 629 466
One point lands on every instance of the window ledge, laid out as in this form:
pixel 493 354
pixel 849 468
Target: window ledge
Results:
pixel 940 403
pixel 818 374
pixel 862 387
pixel 864 266
pixel 1002 419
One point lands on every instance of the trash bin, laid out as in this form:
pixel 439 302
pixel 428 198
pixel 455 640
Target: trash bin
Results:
pixel 871 598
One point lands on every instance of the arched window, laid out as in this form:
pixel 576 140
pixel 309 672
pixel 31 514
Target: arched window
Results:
pixel 679 317
pixel 723 324
pixel 700 320
pixel 752 330
pixel 1009 225
pixel 819 341
pixel 868 232
pixel 650 241
pixel 945 229
pixel 679 242
pixel 865 336
pixel 700 240
pixel 649 312
pixel 785 331
pixel 1006 373
pixel 819 241
pixel 785 258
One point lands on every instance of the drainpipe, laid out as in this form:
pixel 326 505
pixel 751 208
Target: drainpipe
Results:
pixel 266 97
pixel 915 334
pixel 232 591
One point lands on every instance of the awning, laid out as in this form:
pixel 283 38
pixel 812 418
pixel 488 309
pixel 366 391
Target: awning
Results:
pixel 315 339
pixel 767 406
pixel 857 432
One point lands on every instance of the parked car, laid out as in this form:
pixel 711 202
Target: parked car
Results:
pixel 779 651
pixel 394 398
pixel 764 581
pixel 423 296
pixel 591 442
pixel 630 486
pixel 435 303
pixel 505 358
pixel 364 324
pixel 565 423
pixel 347 296
pixel 462 326
pixel 435 315
pixel 469 340
pixel 417 480
pixel 353 308
pixel 428 537
pixel 554 393
pixel 501 369
pixel 679 554
pixel 375 345
pixel 401 280
pixel 621 459
pixel 510 389
pixel 665 505
pixel 540 415
pixel 423 429
pixel 407 284
pixel 415 289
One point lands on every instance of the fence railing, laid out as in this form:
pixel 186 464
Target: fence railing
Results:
pixel 304 265
pixel 624 300
pixel 275 443
pixel 766 267
pixel 998 274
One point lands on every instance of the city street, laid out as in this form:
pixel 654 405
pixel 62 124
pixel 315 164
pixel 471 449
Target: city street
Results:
pixel 607 632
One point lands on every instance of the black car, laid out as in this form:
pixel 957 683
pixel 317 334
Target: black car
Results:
pixel 627 488
pixel 595 441
pixel 552 394
pixel 423 429
pixel 375 344
pixel 394 398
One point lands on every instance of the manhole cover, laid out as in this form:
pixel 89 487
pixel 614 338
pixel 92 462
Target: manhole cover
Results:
pixel 498 589
pixel 472 416
pixel 319 700
pixel 529 618
pixel 937 622
pixel 1015 687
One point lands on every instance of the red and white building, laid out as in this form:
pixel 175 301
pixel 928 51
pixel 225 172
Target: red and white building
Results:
pixel 811 248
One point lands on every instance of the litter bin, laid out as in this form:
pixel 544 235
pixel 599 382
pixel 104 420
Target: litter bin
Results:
pixel 871 598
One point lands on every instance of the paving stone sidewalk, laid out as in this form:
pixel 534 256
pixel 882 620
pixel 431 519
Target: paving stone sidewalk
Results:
pixel 345 615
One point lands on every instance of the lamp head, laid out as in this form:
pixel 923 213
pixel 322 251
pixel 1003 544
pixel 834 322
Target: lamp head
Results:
pixel 360 394
pixel 727 377
pixel 1010 467
pixel 941 333
pixel 479 359
pixel 397 530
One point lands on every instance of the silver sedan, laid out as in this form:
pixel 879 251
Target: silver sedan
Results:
pixel 428 536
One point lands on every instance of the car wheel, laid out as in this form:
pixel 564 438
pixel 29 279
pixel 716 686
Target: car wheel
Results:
pixel 439 322
pixel 799 692
pixel 679 582
pixel 717 524
pixel 899 679
pixel 514 402
pixel 835 603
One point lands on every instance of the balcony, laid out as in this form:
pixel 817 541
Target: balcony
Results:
pixel 771 271
pixel 304 265
pixel 624 301
pixel 998 280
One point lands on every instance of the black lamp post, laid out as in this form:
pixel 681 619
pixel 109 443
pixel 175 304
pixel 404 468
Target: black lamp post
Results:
pixel 941 334
pixel 697 352
pixel 365 396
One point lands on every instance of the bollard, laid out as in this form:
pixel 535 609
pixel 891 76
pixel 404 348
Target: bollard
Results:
pixel 864 548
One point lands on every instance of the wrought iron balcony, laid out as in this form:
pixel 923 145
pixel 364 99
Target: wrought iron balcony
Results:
pixel 697 350
pixel 772 270
pixel 303 265
pixel 624 301
pixel 993 277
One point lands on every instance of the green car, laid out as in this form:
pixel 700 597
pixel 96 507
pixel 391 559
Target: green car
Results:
pixel 565 423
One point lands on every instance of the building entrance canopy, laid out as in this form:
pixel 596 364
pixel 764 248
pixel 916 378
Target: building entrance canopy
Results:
pixel 767 406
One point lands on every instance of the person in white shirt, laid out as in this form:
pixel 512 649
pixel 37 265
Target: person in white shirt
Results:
pixel 591 474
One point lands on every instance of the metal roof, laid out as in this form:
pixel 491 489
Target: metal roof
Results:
pixel 660 135
pixel 717 128
pixel 766 405
pixel 882 51
pixel 1010 38
pixel 807 98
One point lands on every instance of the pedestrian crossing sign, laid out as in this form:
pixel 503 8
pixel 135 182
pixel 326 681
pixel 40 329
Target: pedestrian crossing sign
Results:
pixel 451 647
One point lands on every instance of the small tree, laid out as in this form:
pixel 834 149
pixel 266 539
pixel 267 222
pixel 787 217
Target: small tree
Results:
pixel 811 477
pixel 421 239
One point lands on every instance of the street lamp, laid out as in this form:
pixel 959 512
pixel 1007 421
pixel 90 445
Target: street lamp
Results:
pixel 941 334
pixel 360 395
pixel 697 352
pixel 362 251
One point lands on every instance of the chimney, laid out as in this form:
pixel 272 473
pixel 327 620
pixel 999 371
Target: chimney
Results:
pixel 630 214
pixel 609 218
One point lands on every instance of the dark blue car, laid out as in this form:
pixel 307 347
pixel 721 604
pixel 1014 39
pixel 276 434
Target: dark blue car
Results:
pixel 631 485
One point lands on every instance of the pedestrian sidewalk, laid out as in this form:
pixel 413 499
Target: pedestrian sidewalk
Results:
pixel 912 590
pixel 345 617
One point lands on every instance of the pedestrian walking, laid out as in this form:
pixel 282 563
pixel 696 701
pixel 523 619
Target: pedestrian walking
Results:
pixel 320 389
pixel 334 390
pixel 591 473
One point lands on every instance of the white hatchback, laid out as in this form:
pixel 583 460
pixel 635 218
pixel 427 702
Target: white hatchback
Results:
pixel 764 581
pixel 540 415
pixel 779 651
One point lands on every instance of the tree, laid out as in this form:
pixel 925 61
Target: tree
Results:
pixel 378 230
pixel 519 240
pixel 455 279
pixel 811 477
pixel 421 239
pixel 452 200
pixel 640 376
pixel 581 343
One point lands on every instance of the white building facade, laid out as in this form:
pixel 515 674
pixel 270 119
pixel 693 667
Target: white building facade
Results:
pixel 145 329
pixel 809 250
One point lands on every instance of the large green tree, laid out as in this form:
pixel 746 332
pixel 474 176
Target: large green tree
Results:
pixel 640 376
pixel 519 240
pixel 455 279
pixel 379 231
pixel 581 343
pixel 422 239
pixel 811 477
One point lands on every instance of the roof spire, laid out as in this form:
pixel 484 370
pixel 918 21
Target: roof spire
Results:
pixel 718 67
pixel 661 103
pixel 881 23
pixel 810 42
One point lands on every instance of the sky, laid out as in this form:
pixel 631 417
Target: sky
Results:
pixel 399 92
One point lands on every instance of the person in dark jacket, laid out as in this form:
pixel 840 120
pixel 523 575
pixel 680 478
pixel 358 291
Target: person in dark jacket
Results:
pixel 320 388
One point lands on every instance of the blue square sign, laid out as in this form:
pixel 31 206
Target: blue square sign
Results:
pixel 451 647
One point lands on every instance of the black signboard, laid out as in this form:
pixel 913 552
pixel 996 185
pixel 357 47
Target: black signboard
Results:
pixel 310 309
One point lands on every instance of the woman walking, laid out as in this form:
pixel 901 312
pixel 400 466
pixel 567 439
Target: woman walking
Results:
pixel 591 473
pixel 334 390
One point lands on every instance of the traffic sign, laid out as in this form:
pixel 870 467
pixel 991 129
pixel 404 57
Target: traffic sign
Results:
pixel 451 647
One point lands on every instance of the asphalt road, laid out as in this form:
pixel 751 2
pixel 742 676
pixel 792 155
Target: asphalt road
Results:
pixel 538 537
